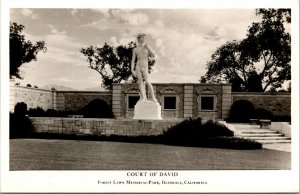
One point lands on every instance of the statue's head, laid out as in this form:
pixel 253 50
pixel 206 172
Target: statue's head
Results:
pixel 140 37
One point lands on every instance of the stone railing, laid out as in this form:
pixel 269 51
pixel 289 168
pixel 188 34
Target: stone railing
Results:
pixel 282 127
pixel 106 127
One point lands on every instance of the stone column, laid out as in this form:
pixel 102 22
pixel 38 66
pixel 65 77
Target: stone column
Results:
pixel 53 100
pixel 188 101
pixel 116 100
pixel 226 101
pixel 58 100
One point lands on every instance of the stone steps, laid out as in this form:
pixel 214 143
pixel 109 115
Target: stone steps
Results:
pixel 268 138
pixel 278 146
pixel 258 132
pixel 262 135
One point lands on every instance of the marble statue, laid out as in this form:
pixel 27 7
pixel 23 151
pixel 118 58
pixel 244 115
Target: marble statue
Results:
pixel 141 52
pixel 144 109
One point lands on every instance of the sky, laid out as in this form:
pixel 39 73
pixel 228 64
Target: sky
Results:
pixel 182 39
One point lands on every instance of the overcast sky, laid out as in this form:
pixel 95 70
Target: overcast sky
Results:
pixel 183 39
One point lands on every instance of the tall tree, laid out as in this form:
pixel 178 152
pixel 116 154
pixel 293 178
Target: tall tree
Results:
pixel 112 63
pixel 21 51
pixel 261 60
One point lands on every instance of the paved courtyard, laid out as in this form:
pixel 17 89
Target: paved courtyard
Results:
pixel 45 154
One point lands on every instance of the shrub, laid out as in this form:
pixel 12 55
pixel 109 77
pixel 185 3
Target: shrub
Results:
pixel 261 113
pixel 51 113
pixel 286 118
pixel 19 124
pixel 193 130
pixel 57 113
pixel 20 108
pixel 39 112
pixel 212 129
pixel 65 113
pixel 241 111
pixel 97 109
pixel 36 112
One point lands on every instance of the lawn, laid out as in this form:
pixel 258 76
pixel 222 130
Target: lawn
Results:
pixel 45 154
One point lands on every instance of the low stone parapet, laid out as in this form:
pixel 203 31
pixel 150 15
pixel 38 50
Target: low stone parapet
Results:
pixel 236 132
pixel 282 127
pixel 106 127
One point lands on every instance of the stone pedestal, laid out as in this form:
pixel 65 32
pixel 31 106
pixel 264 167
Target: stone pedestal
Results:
pixel 147 110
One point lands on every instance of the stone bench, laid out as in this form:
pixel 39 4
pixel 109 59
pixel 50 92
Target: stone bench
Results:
pixel 75 116
pixel 264 123
pixel 253 121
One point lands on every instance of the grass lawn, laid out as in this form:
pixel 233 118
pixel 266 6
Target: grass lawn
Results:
pixel 45 154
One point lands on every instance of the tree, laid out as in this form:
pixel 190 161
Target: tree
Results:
pixel 261 60
pixel 112 63
pixel 202 79
pixel 289 89
pixel 21 50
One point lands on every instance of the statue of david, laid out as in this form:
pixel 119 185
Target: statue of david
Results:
pixel 141 52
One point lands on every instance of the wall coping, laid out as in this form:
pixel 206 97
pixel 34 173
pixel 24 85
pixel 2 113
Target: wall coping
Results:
pixel 260 93
pixel 31 88
pixel 109 119
pixel 60 91
pixel 205 84
pixel 109 92
pixel 82 91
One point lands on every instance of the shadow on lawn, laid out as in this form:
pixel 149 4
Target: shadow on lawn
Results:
pixel 209 142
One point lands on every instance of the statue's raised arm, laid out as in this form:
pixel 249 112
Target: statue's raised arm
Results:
pixel 133 63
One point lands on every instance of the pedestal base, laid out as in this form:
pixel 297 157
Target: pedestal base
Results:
pixel 147 110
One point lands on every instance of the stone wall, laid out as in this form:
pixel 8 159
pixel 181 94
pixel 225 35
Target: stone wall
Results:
pixel 211 90
pixel 121 92
pixel 187 99
pixel 279 103
pixel 33 97
pixel 176 90
pixel 282 127
pixel 106 127
pixel 51 99
pixel 226 101
pixel 187 95
pixel 116 101
pixel 75 100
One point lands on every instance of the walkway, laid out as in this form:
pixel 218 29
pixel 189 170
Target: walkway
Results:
pixel 278 146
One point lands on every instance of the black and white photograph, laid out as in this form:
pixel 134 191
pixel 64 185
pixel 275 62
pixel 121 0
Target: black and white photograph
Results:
pixel 141 98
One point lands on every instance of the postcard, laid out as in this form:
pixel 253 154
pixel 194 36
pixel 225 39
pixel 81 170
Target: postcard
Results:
pixel 149 96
